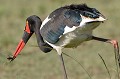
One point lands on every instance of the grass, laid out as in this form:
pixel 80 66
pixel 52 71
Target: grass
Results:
pixel 34 64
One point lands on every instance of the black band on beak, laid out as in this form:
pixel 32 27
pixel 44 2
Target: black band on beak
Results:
pixel 26 36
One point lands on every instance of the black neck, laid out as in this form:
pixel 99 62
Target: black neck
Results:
pixel 36 23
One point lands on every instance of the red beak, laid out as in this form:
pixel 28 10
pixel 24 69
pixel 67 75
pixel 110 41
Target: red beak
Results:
pixel 19 48
pixel 27 34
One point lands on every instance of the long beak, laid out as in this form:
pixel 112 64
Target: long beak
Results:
pixel 22 43
pixel 27 34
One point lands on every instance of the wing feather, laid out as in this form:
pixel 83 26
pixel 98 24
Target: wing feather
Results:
pixel 60 23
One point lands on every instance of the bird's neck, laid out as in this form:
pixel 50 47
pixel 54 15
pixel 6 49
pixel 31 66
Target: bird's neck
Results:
pixel 38 35
pixel 42 45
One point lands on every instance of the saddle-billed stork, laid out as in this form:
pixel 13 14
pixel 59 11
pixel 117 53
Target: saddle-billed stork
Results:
pixel 66 27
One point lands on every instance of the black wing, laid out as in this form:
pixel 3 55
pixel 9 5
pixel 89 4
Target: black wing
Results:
pixel 59 19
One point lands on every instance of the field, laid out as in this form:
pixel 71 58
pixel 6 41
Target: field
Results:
pixel 34 64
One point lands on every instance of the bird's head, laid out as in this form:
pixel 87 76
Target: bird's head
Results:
pixel 28 32
pixel 90 15
pixel 33 24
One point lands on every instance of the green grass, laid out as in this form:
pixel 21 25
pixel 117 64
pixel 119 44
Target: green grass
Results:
pixel 34 64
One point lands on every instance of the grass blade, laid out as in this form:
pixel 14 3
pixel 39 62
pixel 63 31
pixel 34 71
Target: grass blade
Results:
pixel 79 64
pixel 105 65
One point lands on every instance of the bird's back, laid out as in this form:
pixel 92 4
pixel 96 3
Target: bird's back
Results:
pixel 63 26
pixel 57 21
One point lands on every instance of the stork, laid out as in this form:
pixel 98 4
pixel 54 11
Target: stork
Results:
pixel 65 27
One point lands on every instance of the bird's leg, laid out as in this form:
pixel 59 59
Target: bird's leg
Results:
pixel 114 43
pixel 116 50
pixel 63 65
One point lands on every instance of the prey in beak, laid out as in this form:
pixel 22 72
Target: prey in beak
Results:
pixel 27 34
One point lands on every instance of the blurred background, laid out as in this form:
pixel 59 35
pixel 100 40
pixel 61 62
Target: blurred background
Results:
pixel 34 64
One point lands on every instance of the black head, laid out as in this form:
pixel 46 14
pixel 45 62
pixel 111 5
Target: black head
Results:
pixel 32 23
